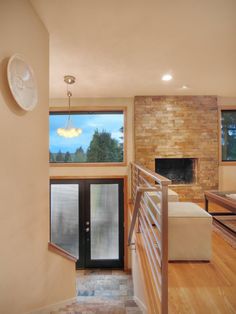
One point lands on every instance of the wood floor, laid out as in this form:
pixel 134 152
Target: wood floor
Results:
pixel 204 288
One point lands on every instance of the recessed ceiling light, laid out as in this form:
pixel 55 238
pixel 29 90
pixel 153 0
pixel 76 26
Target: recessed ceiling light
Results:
pixel 167 77
pixel 185 87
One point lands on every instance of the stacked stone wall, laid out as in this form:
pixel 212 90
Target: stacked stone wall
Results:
pixel 179 127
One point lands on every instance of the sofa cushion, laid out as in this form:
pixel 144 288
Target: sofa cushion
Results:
pixel 186 209
pixel 189 233
pixel 172 196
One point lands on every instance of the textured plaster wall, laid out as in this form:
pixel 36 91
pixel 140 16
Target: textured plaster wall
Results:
pixel 30 276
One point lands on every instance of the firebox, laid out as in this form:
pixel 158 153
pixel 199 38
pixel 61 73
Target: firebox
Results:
pixel 178 170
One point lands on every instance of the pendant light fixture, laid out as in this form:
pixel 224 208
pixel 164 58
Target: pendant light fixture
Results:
pixel 69 130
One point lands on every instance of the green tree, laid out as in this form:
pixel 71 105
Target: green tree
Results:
pixel 121 144
pixel 59 157
pixel 51 157
pixel 103 148
pixel 80 155
pixel 228 133
pixel 67 157
pixel 122 131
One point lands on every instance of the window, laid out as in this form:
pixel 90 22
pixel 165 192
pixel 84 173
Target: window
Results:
pixel 228 135
pixel 101 140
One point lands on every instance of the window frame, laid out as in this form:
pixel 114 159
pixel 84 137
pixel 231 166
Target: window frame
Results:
pixel 84 110
pixel 224 162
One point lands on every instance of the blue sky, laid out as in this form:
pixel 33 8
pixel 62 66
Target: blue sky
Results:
pixel 88 123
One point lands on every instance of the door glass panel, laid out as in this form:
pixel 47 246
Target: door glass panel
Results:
pixel 104 203
pixel 65 217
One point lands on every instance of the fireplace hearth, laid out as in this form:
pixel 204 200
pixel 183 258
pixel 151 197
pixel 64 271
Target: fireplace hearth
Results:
pixel 178 170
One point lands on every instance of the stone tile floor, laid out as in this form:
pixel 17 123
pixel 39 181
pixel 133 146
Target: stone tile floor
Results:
pixel 102 292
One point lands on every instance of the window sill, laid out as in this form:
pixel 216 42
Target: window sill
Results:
pixel 227 163
pixel 98 164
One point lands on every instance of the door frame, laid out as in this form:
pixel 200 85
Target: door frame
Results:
pixel 125 207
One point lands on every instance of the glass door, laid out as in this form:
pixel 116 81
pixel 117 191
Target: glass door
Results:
pixel 87 220
pixel 67 217
pixel 104 223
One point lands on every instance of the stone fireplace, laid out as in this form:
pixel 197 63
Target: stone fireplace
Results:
pixel 174 128
pixel 178 170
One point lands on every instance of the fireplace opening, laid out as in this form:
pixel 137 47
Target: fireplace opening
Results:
pixel 178 170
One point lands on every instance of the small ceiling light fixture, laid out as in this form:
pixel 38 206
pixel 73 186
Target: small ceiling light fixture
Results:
pixel 185 87
pixel 69 131
pixel 167 77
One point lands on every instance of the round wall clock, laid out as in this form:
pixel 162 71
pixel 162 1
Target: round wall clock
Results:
pixel 22 83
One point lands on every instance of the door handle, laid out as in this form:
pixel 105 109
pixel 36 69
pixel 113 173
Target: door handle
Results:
pixel 87 229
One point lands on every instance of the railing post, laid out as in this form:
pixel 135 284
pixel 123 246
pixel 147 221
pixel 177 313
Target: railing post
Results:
pixel 131 181
pixel 138 184
pixel 139 193
pixel 135 214
pixel 138 173
pixel 138 227
pixel 164 249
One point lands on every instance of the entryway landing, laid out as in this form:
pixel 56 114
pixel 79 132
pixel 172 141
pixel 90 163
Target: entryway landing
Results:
pixel 102 291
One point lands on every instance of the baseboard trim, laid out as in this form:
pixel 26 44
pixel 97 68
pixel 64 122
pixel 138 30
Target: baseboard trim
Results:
pixel 142 306
pixel 52 307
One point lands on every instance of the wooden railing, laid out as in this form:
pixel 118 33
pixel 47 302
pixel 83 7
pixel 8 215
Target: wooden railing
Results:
pixel 150 218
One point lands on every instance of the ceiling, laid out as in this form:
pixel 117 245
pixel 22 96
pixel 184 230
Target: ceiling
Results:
pixel 121 48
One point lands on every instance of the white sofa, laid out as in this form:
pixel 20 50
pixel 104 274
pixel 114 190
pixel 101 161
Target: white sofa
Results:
pixel 189 232
pixel 172 196
pixel 190 229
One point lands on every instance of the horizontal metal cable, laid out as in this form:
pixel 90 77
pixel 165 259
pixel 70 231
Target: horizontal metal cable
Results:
pixel 155 205
pixel 151 213
pixel 157 253
pixel 157 286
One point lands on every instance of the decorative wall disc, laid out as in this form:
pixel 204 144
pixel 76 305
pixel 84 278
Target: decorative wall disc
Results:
pixel 22 83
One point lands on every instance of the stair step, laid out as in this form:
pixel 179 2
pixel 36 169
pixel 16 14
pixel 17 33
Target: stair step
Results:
pixel 102 292
pixel 100 306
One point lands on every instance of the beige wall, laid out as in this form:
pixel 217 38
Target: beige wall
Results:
pixel 30 276
pixel 140 295
pixel 227 174
pixel 92 103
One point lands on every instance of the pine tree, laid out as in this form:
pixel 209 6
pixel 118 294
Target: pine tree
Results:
pixel 67 157
pixel 103 148
pixel 59 157
pixel 228 133
pixel 51 157
pixel 80 155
